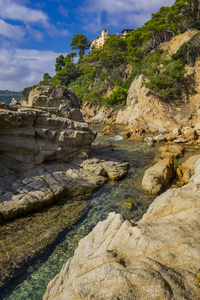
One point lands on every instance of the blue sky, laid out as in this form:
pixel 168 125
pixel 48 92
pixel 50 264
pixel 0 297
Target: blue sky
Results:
pixel 34 33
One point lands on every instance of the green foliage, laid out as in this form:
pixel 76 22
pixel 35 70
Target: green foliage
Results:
pixel 59 63
pixel 165 77
pixel 118 97
pixel 26 91
pixel 81 43
pixel 68 73
pixel 196 25
pixel 190 51
pixel 114 52
pixel 101 69
pixel 46 79
pixel 130 79
pixel 6 96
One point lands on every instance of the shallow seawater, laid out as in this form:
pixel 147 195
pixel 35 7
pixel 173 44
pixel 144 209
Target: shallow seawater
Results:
pixel 110 197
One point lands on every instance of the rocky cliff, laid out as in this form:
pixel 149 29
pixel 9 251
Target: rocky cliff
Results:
pixel 146 112
pixel 42 147
pixel 156 258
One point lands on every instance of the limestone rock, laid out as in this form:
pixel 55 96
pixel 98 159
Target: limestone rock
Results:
pixel 190 134
pixel 109 165
pixel 171 150
pixel 186 170
pixel 159 138
pixel 41 151
pixel 173 45
pixel 89 110
pixel 159 116
pixel 157 258
pixel 22 192
pixel 158 176
pixel 172 135
pixel 107 130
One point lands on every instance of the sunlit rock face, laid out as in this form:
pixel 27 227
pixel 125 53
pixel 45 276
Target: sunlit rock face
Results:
pixel 156 258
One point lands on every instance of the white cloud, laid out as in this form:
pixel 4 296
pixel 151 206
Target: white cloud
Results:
pixel 23 67
pixel 117 13
pixel 13 32
pixel 32 21
pixel 15 11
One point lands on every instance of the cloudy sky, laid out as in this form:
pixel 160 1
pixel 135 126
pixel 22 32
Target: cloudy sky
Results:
pixel 33 33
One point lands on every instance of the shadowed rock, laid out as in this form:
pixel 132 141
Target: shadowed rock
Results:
pixel 42 147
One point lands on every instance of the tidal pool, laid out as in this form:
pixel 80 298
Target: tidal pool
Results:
pixel 125 197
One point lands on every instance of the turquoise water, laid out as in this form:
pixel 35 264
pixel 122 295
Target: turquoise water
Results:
pixel 109 198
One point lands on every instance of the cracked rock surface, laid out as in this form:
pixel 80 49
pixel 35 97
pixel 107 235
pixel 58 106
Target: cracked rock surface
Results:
pixel 156 258
pixel 44 153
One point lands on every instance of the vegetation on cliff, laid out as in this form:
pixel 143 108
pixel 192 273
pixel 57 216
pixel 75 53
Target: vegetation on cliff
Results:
pixel 105 69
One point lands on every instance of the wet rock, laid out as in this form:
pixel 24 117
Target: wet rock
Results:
pixel 158 176
pixel 113 170
pixel 150 141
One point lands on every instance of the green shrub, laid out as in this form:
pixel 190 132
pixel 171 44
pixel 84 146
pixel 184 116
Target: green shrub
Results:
pixel 190 51
pixel 118 97
pixel 165 77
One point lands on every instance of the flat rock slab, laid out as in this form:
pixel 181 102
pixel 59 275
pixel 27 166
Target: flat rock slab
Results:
pixel 35 188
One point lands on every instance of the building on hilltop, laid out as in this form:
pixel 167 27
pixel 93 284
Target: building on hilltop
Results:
pixel 126 30
pixel 100 40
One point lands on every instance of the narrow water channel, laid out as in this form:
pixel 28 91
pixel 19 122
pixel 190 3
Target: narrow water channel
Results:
pixel 114 196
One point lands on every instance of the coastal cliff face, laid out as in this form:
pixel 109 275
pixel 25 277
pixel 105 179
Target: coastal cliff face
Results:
pixel 156 258
pixel 144 112
pixel 42 147
pixel 156 115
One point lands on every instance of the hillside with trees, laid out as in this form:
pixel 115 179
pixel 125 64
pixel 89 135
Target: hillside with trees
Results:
pixel 105 69
pixel 6 96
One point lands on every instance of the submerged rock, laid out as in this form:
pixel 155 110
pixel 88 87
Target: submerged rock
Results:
pixel 156 258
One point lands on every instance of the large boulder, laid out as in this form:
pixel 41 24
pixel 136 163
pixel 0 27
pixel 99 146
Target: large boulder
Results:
pixel 33 135
pixel 156 258
pixel 158 176
pixel 42 148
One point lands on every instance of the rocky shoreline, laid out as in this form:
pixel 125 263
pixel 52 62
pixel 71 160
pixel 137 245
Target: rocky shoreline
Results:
pixel 46 154
pixel 155 258
pixel 46 158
